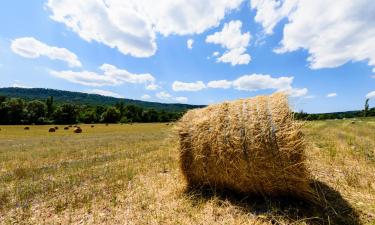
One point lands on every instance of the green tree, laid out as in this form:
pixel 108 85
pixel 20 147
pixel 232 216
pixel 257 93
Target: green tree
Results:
pixel 89 116
pixel 66 114
pixel 112 115
pixel 49 104
pixel 365 111
pixel 120 106
pixel 2 99
pixel 15 111
pixel 36 111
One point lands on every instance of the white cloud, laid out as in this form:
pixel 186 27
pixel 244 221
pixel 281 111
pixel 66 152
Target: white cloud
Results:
pixel 333 33
pixel 163 95
pixel 17 84
pixel 131 26
pixel 331 95
pixel 231 38
pixel 181 99
pixel 190 43
pixel 152 87
pixel 296 92
pixel 215 54
pixel 145 97
pixel 168 97
pixel 270 12
pixel 256 82
pixel 29 47
pixel 104 93
pixel 371 94
pixel 235 56
pixel 219 84
pixel 182 86
pixel 111 76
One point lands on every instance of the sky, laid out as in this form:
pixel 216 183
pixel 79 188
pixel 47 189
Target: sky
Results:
pixel 321 53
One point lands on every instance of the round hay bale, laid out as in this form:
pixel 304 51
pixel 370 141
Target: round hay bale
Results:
pixel 70 126
pixel 106 124
pixel 92 126
pixel 66 128
pixel 251 146
pixel 51 129
pixel 56 128
pixel 26 128
pixel 77 130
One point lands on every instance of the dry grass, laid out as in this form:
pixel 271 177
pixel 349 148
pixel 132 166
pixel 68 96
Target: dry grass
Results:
pixel 129 175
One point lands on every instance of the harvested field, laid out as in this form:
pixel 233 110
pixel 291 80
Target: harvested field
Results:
pixel 130 175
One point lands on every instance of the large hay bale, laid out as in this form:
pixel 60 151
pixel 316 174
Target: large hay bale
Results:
pixel 51 129
pixel 251 146
pixel 66 128
pixel 77 130
pixel 26 128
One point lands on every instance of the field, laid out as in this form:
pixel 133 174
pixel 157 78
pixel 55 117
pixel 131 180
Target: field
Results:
pixel 128 174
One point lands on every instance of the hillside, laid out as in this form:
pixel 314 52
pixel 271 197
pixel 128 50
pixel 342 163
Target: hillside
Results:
pixel 61 96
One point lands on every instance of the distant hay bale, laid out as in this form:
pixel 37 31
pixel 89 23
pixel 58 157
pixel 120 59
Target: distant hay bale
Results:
pixel 77 130
pixel 26 128
pixel 251 146
pixel 56 128
pixel 75 126
pixel 51 129
pixel 106 124
pixel 66 128
pixel 92 126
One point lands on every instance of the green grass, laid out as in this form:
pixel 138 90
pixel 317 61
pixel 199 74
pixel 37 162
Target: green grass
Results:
pixel 120 174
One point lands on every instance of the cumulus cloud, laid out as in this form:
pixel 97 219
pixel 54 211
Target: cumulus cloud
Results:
pixel 146 97
pixel 29 47
pixel 181 99
pixel 152 87
pixel 163 95
pixel 331 95
pixel 111 76
pixel 255 82
pixel 219 84
pixel 104 93
pixel 371 94
pixel 234 41
pixel 190 43
pixel 168 97
pixel 332 33
pixel 131 26
pixel 182 86
pixel 235 56
pixel 252 82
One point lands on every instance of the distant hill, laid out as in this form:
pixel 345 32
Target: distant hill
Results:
pixel 61 96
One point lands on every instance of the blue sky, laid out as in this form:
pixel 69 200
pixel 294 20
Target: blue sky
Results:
pixel 134 49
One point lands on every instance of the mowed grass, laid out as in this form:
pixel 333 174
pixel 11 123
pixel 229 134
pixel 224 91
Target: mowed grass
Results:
pixel 128 174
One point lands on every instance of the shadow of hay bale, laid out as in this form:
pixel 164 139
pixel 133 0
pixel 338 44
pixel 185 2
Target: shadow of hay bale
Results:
pixel 330 209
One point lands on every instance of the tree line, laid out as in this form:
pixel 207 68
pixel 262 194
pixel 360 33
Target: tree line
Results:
pixel 366 112
pixel 18 111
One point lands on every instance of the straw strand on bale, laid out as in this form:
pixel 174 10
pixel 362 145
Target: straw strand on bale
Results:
pixel 249 145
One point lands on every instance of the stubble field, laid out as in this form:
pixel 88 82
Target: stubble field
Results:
pixel 129 174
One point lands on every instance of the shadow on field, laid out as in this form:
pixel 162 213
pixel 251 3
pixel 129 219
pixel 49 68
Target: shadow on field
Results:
pixel 331 209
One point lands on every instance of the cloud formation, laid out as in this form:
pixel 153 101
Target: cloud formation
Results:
pixel 331 95
pixel 234 41
pixel 332 33
pixel 190 43
pixel 29 47
pixel 371 94
pixel 131 26
pixel 168 97
pixel 111 76
pixel 182 86
pixel 104 93
pixel 219 84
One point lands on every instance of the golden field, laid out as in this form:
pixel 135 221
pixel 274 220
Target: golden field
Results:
pixel 129 174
